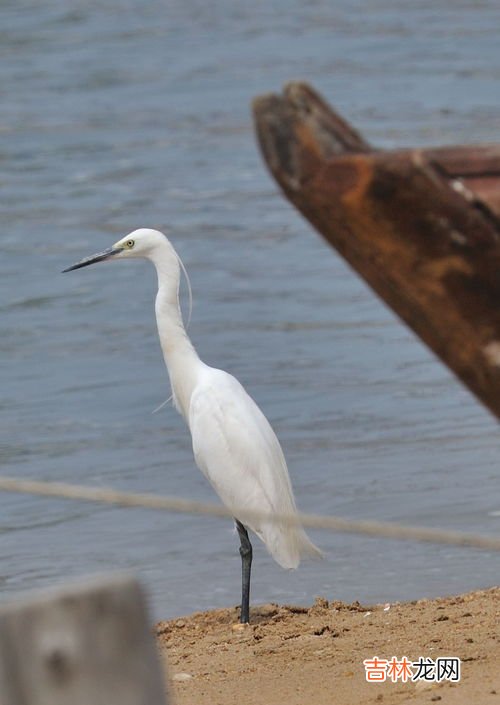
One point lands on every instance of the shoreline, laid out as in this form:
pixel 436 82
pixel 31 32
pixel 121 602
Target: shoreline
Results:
pixel 315 655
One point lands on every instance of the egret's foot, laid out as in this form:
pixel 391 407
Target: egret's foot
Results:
pixel 240 626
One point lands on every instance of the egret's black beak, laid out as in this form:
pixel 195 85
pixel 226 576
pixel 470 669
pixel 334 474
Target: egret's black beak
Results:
pixel 99 257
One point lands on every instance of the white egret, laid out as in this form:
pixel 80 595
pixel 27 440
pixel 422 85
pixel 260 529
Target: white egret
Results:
pixel 234 445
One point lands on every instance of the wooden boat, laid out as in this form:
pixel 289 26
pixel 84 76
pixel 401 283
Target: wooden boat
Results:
pixel 421 226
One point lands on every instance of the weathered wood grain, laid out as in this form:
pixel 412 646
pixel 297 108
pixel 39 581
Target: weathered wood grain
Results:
pixel 420 226
pixel 88 644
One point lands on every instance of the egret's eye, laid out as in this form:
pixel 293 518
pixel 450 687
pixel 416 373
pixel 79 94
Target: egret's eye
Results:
pixel 130 244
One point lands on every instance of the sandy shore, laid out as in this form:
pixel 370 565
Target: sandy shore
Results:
pixel 315 655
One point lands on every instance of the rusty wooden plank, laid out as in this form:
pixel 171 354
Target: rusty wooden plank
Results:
pixel 406 221
pixel 475 168
pixel 83 644
pixel 467 160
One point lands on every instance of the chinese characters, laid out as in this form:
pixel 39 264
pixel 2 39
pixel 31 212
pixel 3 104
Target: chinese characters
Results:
pixel 444 668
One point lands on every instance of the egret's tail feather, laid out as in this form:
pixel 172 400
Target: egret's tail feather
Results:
pixel 287 545
pixel 308 549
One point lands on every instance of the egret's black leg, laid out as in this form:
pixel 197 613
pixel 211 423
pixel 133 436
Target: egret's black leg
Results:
pixel 246 566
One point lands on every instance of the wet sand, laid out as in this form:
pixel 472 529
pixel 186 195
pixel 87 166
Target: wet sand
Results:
pixel 298 655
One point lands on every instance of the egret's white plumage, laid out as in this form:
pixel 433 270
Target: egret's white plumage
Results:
pixel 233 443
pixel 238 452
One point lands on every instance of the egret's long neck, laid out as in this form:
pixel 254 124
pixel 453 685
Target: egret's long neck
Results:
pixel 181 359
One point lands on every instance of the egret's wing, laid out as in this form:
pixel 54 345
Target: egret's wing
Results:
pixel 237 450
pixel 235 447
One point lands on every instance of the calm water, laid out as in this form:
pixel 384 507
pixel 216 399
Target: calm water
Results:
pixel 124 114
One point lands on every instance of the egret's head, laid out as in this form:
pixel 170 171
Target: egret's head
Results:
pixel 147 244
pixel 140 243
